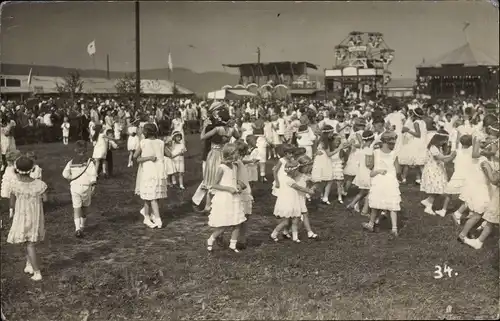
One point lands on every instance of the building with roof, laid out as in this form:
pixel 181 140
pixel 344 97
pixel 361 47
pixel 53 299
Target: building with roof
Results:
pixel 465 71
pixel 399 87
pixel 20 86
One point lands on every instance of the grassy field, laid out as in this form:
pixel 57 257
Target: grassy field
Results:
pixel 122 270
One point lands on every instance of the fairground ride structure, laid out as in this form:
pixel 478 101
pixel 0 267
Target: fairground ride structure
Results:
pixel 361 67
pixel 276 79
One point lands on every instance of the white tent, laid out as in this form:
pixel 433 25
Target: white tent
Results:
pixel 231 94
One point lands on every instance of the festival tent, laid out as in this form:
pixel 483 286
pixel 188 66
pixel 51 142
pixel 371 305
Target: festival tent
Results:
pixel 230 94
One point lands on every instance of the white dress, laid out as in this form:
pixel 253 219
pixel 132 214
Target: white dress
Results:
pixel 9 176
pixel 413 149
pixel 462 161
pixel 352 165
pixel 169 164
pixel 101 147
pixel 288 201
pixel 434 176
pixel 384 190
pixel 7 141
pixel 246 194
pixel 281 175
pixel 133 139
pixel 337 166
pixel 322 170
pixel 246 129
pixel 362 179
pixel 476 191
pixel 492 213
pixel 151 183
pixel 227 208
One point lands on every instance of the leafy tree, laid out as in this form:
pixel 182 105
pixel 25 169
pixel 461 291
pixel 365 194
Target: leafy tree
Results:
pixel 126 85
pixel 72 84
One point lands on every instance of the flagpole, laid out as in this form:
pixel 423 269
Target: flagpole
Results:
pixel 137 57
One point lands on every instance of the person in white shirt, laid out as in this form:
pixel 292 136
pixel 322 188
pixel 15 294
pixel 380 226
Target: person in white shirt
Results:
pixel 81 173
pixel 306 139
pixel 65 130
pixel 329 120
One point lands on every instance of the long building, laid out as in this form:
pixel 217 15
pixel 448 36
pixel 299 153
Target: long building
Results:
pixel 19 86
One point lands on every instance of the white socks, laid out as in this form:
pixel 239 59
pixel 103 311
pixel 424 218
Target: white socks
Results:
pixel 232 244
pixel 11 212
pixel 77 224
pixel 80 223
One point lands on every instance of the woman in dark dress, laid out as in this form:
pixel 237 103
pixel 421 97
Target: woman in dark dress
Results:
pixel 214 134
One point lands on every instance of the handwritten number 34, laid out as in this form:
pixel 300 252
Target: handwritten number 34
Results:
pixel 441 271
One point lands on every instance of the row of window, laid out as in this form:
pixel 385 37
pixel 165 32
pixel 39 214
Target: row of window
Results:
pixel 9 82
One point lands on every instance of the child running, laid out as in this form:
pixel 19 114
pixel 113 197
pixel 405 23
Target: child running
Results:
pixel 28 226
pixel 81 173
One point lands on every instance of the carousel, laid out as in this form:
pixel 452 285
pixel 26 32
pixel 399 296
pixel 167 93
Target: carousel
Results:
pixel 361 67
pixel 276 80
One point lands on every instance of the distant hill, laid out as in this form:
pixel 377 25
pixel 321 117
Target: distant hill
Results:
pixel 197 82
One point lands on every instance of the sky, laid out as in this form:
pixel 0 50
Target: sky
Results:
pixel 202 36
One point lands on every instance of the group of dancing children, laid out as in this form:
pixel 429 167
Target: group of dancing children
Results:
pixel 373 160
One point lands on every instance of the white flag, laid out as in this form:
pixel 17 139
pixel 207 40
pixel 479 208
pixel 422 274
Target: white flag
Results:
pixel 29 77
pixel 170 66
pixel 91 48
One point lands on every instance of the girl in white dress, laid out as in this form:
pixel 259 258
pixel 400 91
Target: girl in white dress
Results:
pixel 178 124
pixel 151 183
pixel 178 150
pixel 288 203
pixel 434 176
pixel 9 177
pixel 462 163
pixel 413 150
pixel 286 153
pixel 305 169
pixel 337 158
pixel 322 169
pixel 362 178
pixel 65 130
pixel 384 190
pixel 246 193
pixel 169 164
pixel 352 164
pixel 7 141
pixel 132 144
pixel 492 213
pixel 227 206
pixel 28 227
pixel 101 148
pixel 246 127
pixel 251 159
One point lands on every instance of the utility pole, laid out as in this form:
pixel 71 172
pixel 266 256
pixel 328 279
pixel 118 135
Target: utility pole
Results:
pixel 258 62
pixel 137 57
pixel 107 66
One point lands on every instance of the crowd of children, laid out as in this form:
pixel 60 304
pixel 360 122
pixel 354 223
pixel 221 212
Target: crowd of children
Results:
pixel 371 154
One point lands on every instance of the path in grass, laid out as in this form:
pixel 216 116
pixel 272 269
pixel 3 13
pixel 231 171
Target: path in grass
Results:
pixel 124 271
